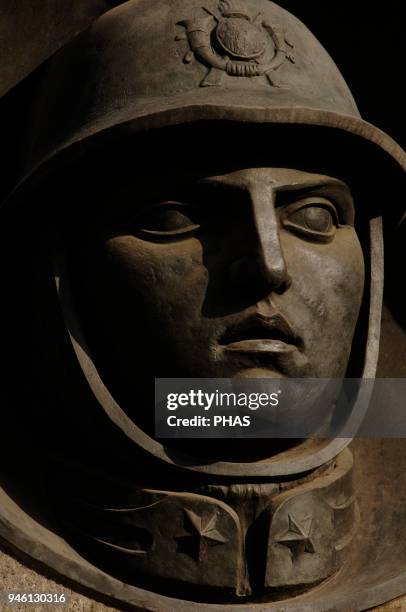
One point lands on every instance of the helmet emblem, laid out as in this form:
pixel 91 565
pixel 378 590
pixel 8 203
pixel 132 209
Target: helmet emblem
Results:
pixel 236 42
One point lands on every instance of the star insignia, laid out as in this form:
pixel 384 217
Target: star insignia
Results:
pixel 298 536
pixel 199 535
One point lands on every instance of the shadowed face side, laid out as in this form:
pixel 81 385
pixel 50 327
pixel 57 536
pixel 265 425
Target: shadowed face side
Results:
pixel 254 273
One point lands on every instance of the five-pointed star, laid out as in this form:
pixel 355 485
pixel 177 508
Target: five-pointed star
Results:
pixel 200 534
pixel 297 536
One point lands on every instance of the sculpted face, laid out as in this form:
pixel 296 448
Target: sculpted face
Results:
pixel 256 272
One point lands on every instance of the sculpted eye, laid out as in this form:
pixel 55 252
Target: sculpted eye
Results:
pixel 168 221
pixel 313 218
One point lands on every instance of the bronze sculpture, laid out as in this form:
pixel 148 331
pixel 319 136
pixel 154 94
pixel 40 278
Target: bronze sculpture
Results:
pixel 186 282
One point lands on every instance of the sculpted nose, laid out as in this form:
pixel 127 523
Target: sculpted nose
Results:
pixel 264 265
pixel 273 273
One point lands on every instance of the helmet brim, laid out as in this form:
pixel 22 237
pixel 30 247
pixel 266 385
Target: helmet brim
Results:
pixel 152 116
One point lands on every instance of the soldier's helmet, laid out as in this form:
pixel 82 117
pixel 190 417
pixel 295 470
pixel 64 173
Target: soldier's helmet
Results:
pixel 148 65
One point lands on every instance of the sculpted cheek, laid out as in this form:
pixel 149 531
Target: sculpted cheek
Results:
pixel 328 277
pixel 156 264
pixel 325 297
pixel 162 281
pixel 347 275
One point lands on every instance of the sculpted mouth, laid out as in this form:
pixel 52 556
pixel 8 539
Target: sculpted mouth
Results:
pixel 260 334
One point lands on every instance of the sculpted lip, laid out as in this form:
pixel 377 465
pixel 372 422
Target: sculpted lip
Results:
pixel 261 346
pixel 260 334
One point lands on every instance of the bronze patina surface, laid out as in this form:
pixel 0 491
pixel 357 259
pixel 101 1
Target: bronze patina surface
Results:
pixel 194 206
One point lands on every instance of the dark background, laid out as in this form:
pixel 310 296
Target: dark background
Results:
pixel 367 40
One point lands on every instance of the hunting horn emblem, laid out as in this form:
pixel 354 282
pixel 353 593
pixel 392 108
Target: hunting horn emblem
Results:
pixel 236 43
